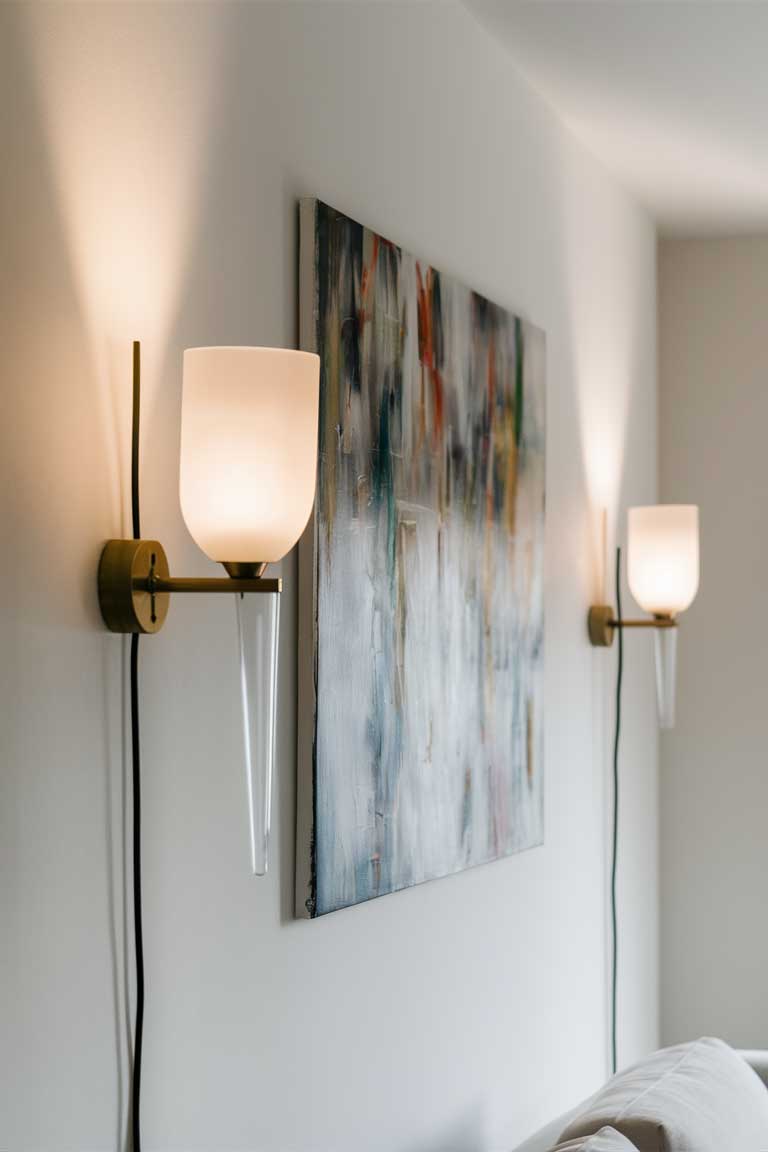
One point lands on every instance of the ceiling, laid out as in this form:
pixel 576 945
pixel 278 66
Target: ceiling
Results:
pixel 672 95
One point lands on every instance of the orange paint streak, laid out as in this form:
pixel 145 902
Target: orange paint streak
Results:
pixel 425 328
pixel 366 280
pixel 425 296
pixel 438 399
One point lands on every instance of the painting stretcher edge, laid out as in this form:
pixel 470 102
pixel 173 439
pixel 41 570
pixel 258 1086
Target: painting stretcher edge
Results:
pixel 307 595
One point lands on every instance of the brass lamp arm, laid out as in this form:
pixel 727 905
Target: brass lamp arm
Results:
pixel 602 624
pixel 651 622
pixel 135 584
pixel 159 584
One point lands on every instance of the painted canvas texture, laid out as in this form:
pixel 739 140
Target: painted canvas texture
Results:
pixel 422 573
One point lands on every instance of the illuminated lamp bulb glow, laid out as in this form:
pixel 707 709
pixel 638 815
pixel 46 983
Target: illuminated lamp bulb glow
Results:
pixel 248 449
pixel 663 561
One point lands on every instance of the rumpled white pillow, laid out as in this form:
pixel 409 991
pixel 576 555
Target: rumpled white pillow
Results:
pixel 606 1140
pixel 697 1097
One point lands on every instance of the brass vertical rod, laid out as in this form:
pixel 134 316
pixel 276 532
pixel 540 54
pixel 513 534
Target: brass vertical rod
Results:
pixel 135 440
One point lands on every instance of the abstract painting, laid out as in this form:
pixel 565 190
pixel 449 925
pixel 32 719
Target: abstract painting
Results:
pixel 421 574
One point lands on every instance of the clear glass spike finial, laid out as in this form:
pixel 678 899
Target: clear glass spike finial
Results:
pixel 666 672
pixel 258 618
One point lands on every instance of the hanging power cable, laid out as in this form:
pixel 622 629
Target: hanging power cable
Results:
pixel 614 862
pixel 138 930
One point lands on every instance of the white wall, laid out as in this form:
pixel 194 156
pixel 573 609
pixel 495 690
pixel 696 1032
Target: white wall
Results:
pixel 714 791
pixel 152 159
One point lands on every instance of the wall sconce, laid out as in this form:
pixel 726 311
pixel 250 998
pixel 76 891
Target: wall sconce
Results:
pixel 247 484
pixel 663 574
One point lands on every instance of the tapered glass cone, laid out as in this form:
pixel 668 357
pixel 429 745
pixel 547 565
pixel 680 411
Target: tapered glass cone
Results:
pixel 258 617
pixel 666 667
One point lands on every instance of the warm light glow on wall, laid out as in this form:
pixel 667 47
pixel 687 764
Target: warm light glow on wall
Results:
pixel 127 95
pixel 600 357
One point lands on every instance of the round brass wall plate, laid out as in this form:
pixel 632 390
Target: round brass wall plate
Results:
pixel 124 607
pixel 600 623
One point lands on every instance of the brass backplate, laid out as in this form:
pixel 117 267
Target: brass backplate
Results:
pixel 124 607
pixel 601 625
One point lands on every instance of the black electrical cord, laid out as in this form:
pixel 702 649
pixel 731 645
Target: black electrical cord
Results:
pixel 614 928
pixel 138 931
pixel 137 918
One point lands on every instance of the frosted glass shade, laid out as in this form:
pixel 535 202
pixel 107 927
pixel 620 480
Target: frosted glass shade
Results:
pixel 663 565
pixel 248 449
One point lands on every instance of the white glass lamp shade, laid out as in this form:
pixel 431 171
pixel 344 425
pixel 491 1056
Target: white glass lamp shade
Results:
pixel 663 563
pixel 248 449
